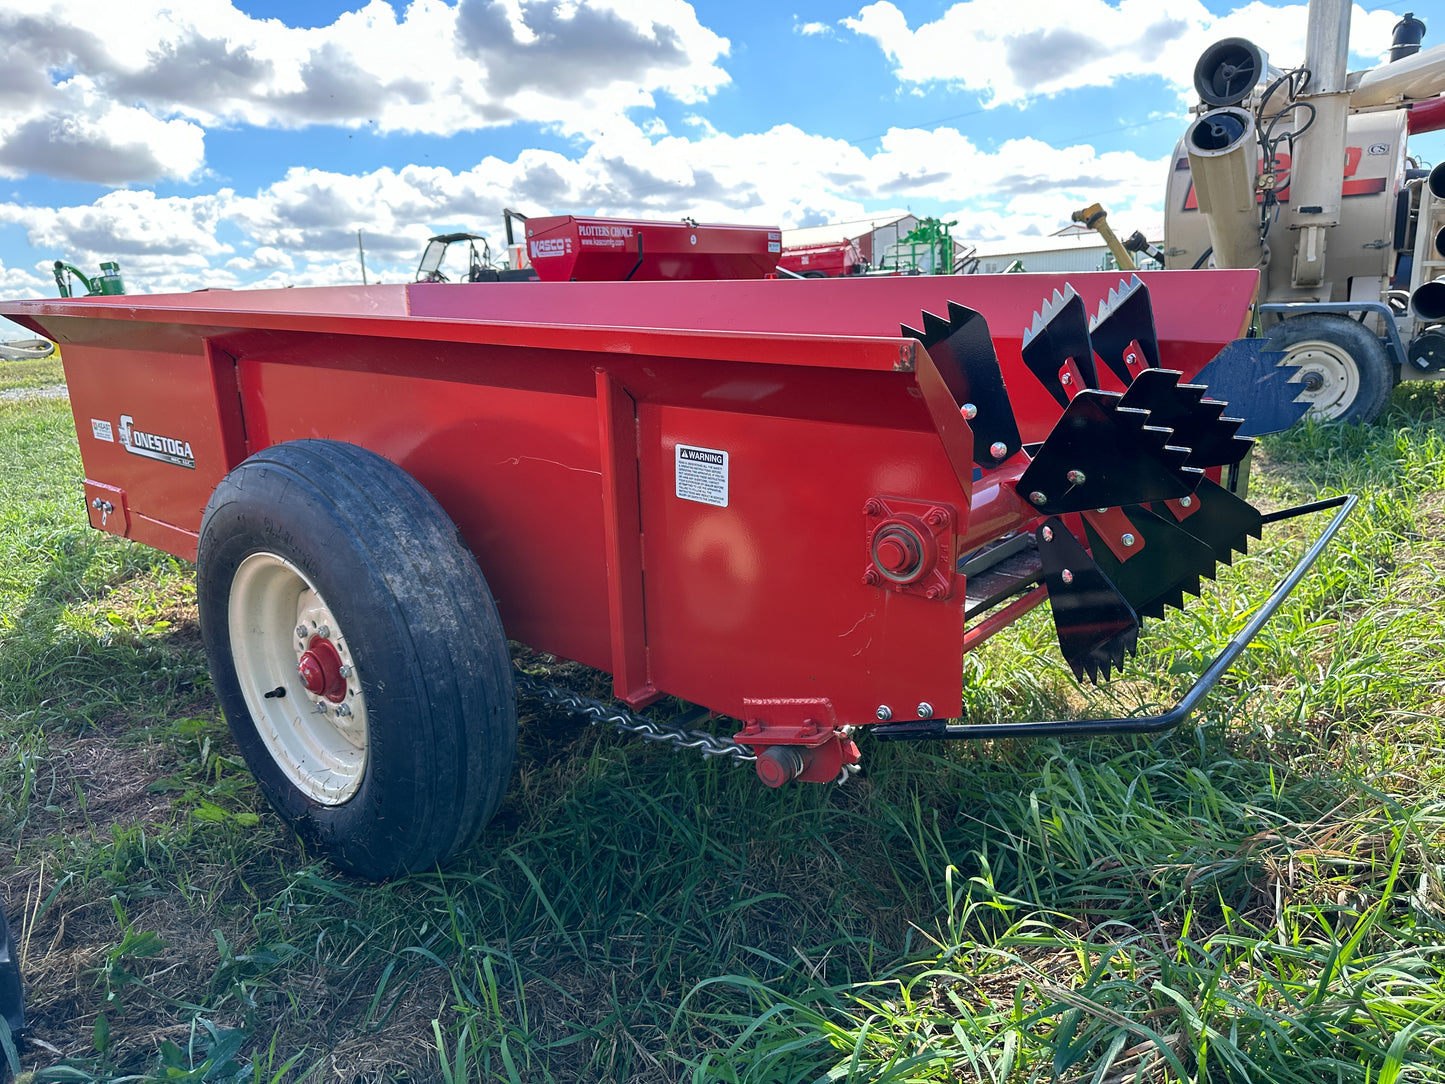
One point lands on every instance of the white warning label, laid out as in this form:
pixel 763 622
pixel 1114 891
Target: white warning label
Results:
pixel 702 475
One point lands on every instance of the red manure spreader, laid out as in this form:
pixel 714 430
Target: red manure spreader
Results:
pixel 566 248
pixel 791 504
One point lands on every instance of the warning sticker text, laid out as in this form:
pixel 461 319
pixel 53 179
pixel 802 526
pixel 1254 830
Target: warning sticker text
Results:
pixel 702 475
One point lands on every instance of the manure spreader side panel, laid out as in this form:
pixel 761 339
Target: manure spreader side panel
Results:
pixel 506 439
pixel 755 542
pixel 158 431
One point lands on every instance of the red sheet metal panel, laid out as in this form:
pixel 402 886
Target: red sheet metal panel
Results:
pixel 163 428
pixel 763 574
pixel 514 460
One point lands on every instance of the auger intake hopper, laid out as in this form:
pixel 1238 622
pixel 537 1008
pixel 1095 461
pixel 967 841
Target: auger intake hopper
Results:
pixel 794 505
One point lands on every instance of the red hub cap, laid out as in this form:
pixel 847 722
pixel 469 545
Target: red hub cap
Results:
pixel 898 551
pixel 320 670
pixel 894 556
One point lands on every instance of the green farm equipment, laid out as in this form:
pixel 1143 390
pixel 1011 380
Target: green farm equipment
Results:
pixel 107 282
pixel 927 250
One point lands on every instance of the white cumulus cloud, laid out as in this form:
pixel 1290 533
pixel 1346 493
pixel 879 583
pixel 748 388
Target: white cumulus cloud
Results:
pixel 986 47
pixel 302 229
pixel 120 92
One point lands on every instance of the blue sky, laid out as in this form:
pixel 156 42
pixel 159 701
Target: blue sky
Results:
pixel 213 143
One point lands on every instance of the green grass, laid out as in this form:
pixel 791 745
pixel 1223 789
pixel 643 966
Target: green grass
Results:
pixel 46 372
pixel 1259 896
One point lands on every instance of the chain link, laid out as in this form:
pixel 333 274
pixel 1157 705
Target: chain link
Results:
pixel 667 732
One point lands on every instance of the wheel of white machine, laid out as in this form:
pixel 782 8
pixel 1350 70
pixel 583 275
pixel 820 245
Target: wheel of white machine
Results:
pixel 1345 373
pixel 357 655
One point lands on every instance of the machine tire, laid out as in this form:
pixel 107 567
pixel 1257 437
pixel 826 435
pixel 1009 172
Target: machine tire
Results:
pixel 12 994
pixel 335 540
pixel 1348 367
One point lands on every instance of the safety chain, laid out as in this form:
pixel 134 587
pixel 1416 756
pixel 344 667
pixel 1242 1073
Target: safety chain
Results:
pixel 666 731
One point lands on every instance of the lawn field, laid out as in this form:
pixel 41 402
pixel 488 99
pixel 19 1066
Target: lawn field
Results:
pixel 1259 896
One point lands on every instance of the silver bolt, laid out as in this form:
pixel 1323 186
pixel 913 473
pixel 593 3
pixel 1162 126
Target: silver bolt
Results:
pixel 1131 358
pixel 320 708
pixel 1067 576
pixel 925 710
pixel 884 713
pixel 1066 379
pixel 1048 533
pixel 1076 477
pixel 300 632
pixel 1037 497
pixel 998 449
pixel 346 671
pixel 1127 539
pixel 343 709
pixel 970 411
pixel 324 632
pixel 1101 511
pixel 1185 502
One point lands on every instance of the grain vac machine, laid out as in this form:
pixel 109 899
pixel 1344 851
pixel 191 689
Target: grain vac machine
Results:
pixel 1306 175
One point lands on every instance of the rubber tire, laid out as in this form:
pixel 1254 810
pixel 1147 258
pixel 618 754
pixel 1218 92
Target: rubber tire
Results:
pixel 1353 345
pixel 12 995
pixel 420 624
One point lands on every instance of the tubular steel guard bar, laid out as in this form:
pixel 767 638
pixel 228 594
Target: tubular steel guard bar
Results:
pixel 1379 308
pixel 936 730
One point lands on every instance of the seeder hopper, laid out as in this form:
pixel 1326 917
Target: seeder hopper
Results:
pixel 792 504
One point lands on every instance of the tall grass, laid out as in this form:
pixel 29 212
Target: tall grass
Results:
pixel 1255 897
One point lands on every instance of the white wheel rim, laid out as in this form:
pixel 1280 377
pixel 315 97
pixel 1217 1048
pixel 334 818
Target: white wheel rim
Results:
pixel 1332 371
pixel 276 616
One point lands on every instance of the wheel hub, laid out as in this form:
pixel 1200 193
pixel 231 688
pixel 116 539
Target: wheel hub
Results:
pixel 320 668
pixel 1329 378
pixel 299 679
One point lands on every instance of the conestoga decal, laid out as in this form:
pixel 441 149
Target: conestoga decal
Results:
pixel 155 446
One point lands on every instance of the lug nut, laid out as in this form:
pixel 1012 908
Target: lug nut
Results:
pixel 970 411
pixel 300 632
pixel 884 713
pixel 925 710
pixel 1127 539
pixel 346 670
pixel 324 632
pixel 1067 576
pixel 1076 477
pixel 998 449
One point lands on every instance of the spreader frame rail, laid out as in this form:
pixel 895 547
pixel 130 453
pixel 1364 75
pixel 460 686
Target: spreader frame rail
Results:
pixel 937 730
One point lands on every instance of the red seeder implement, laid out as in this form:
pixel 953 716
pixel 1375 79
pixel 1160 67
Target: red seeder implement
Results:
pixel 794 504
